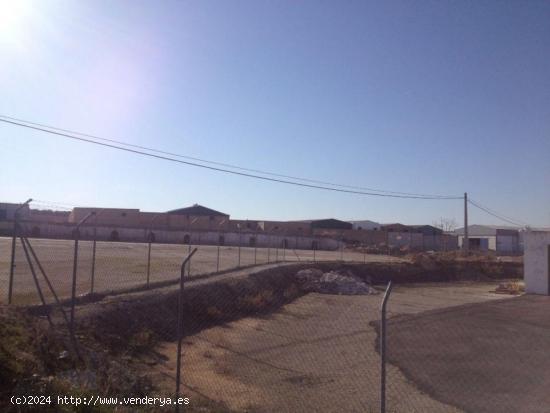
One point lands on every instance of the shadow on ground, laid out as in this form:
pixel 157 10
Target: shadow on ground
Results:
pixel 485 357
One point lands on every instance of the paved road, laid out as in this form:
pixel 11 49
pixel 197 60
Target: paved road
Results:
pixel 487 357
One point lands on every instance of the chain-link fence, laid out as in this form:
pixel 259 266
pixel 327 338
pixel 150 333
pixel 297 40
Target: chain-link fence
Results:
pixel 263 342
pixel 107 266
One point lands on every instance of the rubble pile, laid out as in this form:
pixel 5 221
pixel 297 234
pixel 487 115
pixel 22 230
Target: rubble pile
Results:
pixel 513 288
pixel 342 282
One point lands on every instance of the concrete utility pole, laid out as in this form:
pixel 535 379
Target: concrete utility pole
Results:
pixel 465 239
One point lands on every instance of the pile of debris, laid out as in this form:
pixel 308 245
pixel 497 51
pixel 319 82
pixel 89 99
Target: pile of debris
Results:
pixel 512 288
pixel 428 262
pixel 342 282
pixel 457 255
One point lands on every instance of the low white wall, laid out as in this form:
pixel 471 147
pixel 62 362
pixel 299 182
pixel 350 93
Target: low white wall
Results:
pixel 536 262
pixel 125 234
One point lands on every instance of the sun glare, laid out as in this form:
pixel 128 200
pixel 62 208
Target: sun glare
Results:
pixel 14 16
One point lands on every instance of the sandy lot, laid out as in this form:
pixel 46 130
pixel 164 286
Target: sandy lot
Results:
pixel 124 265
pixel 316 354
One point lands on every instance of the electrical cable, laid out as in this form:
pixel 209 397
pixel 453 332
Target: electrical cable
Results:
pixel 41 125
pixel 166 158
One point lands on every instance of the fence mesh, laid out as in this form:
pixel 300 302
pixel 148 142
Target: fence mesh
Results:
pixel 120 266
pixel 261 342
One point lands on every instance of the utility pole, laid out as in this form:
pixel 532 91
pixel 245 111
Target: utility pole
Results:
pixel 465 240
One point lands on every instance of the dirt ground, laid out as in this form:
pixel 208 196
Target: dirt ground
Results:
pixel 124 265
pixel 316 354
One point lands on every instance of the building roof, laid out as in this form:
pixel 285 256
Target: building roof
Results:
pixel 326 223
pixel 394 225
pixel 426 229
pixel 330 223
pixel 91 209
pixel 365 224
pixel 197 210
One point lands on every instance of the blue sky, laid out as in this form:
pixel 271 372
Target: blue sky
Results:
pixel 434 97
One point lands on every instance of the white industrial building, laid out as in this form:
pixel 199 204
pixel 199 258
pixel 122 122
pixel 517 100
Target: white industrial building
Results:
pixel 502 239
pixel 536 262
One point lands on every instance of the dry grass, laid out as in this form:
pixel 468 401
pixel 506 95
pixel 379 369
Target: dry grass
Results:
pixel 256 301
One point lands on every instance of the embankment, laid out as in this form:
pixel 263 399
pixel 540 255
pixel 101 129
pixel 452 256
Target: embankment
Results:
pixel 213 301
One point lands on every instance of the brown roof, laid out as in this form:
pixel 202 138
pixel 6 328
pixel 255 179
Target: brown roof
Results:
pixel 197 210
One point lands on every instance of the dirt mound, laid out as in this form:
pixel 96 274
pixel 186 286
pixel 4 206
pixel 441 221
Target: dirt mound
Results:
pixel 132 323
pixel 472 256
pixel 144 318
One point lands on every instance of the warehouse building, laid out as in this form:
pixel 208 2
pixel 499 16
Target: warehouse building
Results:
pixel 501 239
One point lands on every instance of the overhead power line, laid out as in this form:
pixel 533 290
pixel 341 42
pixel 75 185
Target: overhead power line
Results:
pixel 212 168
pixel 227 165
pixel 497 215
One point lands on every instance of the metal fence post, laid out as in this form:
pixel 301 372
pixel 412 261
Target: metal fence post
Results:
pixel 150 239
pixel 255 246
pixel 239 257
pixel 12 262
pixel 92 276
pixel 383 348
pixel 55 296
pixel 73 286
pixel 13 242
pixel 35 278
pixel 268 248
pixel 180 324
pixel 189 266
pixel 149 258
pixel 75 268
pixel 218 255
